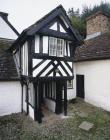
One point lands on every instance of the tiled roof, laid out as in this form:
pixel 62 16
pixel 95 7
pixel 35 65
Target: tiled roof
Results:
pixel 7 66
pixel 94 49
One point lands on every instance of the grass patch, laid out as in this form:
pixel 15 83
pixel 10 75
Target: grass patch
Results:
pixel 21 127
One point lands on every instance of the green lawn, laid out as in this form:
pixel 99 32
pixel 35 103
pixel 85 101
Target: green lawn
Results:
pixel 21 127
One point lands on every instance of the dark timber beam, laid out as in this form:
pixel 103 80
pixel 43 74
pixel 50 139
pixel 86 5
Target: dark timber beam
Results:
pixel 50 32
pixel 65 98
pixel 46 56
pixel 40 63
pixel 22 97
pixel 39 74
pixel 63 68
pixel 39 103
pixel 27 100
pixel 35 102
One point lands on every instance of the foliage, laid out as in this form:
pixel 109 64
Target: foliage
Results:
pixel 79 19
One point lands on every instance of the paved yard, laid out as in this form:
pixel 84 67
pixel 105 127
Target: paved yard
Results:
pixel 21 127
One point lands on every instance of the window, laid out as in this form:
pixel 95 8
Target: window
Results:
pixel 56 47
pixel 52 46
pixel 60 47
pixel 70 84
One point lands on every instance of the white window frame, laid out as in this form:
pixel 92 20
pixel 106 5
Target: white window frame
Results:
pixel 56 47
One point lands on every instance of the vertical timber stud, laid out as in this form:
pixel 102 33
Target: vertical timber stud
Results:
pixel 65 98
pixel 40 100
pixel 27 99
pixel 35 101
pixel 58 108
pixel 22 97
pixel 41 44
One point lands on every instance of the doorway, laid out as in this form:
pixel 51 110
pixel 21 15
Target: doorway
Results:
pixel 80 86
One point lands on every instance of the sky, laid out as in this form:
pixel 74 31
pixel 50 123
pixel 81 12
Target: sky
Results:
pixel 23 13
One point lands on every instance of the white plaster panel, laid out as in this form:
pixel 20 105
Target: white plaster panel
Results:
pixel 45 44
pixel 37 42
pixel 24 98
pixel 97 82
pixel 62 71
pixel 10 97
pixel 50 104
pixel 71 93
pixel 47 70
pixel 31 112
pixel 54 26
pixel 6 31
pixel 42 66
pixel 36 61
pixel 25 58
pixel 68 70
pixel 62 29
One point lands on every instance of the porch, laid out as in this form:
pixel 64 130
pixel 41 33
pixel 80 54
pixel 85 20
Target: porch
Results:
pixel 52 95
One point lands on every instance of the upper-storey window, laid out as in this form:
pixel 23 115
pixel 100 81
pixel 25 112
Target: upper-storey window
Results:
pixel 56 47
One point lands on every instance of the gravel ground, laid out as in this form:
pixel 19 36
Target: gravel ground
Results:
pixel 21 127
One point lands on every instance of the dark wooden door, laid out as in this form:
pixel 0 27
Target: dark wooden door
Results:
pixel 80 85
pixel 58 108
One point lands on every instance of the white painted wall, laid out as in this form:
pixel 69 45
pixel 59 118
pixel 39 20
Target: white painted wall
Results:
pixel 25 59
pixel 50 104
pixel 10 97
pixel 45 44
pixel 31 112
pixel 62 29
pixel 54 26
pixel 71 93
pixel 41 67
pixel 6 31
pixel 37 43
pixel 24 98
pixel 97 82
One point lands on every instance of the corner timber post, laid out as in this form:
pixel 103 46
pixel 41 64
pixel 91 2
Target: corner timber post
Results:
pixel 65 98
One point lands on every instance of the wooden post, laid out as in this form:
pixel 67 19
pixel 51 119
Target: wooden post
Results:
pixel 22 97
pixel 58 108
pixel 65 98
pixel 27 99
pixel 35 102
pixel 39 103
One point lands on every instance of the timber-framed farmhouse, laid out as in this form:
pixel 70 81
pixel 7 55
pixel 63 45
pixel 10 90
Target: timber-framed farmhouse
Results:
pixel 44 58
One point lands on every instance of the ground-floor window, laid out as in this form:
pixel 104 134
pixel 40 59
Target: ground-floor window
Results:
pixel 70 84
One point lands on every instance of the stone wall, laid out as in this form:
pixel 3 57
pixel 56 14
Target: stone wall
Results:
pixel 98 22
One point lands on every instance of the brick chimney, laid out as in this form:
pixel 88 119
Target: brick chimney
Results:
pixel 97 24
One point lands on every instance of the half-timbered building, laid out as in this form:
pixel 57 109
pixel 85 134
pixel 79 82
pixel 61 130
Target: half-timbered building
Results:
pixel 44 54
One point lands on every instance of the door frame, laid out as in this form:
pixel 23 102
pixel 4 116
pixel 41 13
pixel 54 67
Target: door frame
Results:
pixel 80 88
